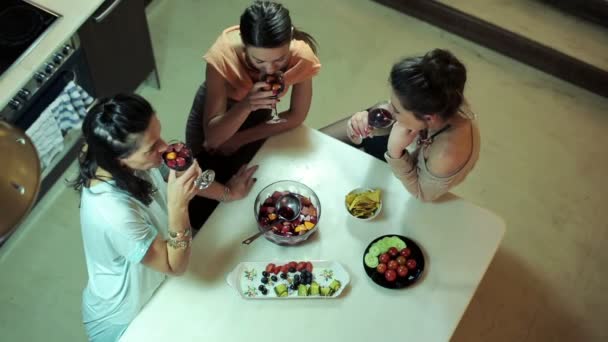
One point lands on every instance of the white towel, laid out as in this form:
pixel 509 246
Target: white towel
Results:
pixel 65 113
pixel 71 107
pixel 46 136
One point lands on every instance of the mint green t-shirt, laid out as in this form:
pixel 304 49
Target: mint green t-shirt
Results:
pixel 117 231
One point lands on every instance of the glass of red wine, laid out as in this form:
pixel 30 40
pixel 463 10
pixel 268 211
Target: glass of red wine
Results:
pixel 276 83
pixel 379 116
pixel 178 156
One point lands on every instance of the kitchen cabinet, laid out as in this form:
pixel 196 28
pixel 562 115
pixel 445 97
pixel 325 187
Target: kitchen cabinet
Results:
pixel 117 47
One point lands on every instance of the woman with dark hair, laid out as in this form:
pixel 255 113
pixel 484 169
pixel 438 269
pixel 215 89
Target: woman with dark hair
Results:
pixel 432 120
pixel 229 117
pixel 135 225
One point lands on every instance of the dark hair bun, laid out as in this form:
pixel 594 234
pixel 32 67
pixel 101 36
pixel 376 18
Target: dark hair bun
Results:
pixel 443 71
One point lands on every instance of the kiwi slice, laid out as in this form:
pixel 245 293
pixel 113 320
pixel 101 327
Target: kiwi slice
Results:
pixel 302 290
pixel 281 290
pixel 371 261
pixel 335 285
pixel 326 291
pixel 314 289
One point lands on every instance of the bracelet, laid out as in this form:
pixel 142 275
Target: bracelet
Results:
pixel 180 240
pixel 180 235
pixel 226 195
pixel 179 244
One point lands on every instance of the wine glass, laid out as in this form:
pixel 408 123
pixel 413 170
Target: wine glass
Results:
pixel 276 83
pixel 380 117
pixel 178 156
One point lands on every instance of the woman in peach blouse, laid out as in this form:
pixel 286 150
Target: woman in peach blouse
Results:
pixel 230 116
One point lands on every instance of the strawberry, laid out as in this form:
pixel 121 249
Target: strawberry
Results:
pixel 309 266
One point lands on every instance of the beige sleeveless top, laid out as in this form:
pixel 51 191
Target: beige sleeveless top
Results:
pixel 411 169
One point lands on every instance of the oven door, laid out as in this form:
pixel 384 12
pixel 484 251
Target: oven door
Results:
pixel 73 69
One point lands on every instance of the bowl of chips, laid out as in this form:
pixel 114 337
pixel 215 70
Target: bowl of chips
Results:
pixel 364 203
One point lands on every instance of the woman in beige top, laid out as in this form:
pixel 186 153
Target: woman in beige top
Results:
pixel 434 142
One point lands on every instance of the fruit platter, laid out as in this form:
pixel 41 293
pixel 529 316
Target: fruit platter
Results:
pixel 178 156
pixel 393 261
pixel 289 280
pixel 269 217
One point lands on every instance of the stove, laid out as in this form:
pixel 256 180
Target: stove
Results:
pixel 22 25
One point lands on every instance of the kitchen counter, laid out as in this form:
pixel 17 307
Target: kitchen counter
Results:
pixel 73 15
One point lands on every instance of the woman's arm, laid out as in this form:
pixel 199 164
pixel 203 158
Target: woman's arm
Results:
pixel 172 256
pixel 301 97
pixel 236 188
pixel 219 124
pixel 166 257
pixel 441 166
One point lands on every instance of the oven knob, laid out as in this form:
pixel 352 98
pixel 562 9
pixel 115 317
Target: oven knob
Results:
pixel 66 50
pixel 58 59
pixel 15 104
pixel 40 77
pixel 49 68
pixel 24 94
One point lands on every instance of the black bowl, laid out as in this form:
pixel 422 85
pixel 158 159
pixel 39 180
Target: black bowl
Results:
pixel 412 276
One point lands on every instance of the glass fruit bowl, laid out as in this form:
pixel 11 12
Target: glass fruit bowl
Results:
pixel 278 229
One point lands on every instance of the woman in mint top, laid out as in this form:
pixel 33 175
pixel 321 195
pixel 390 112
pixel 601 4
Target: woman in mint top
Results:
pixel 135 225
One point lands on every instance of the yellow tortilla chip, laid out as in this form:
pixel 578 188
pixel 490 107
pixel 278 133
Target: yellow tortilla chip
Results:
pixel 363 204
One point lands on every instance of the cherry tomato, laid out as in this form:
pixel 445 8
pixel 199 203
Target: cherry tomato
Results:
pixel 381 268
pixel 384 258
pixel 285 268
pixel 392 265
pixel 401 260
pixel 171 156
pixel 402 271
pixel 300 266
pixel 309 267
pixel 390 275
pixel 393 252
pixel 411 264
pixel 292 264
pixel 270 268
pixel 406 252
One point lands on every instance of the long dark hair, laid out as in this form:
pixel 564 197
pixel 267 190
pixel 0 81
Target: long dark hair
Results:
pixel 430 84
pixel 113 129
pixel 267 24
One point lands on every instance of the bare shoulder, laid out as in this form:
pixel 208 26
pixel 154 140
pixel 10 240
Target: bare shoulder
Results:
pixel 452 152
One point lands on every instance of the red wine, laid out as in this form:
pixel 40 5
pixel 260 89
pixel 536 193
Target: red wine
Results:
pixel 379 118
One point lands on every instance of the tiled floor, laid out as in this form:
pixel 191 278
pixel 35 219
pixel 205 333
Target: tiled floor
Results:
pixel 542 168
